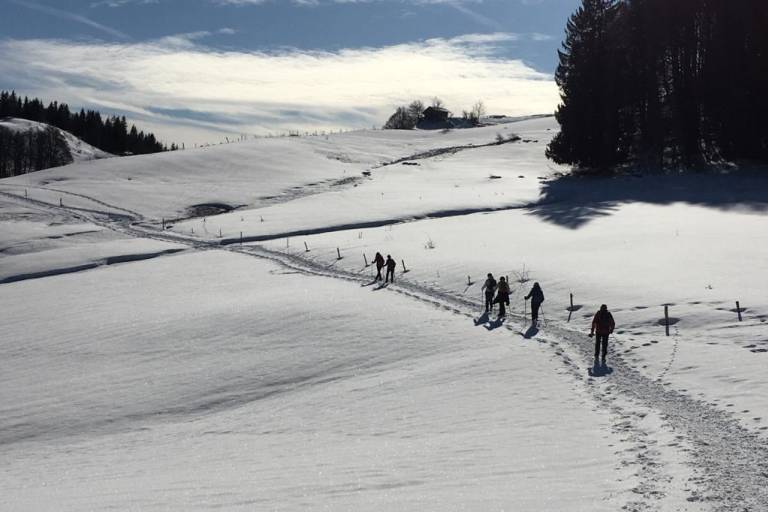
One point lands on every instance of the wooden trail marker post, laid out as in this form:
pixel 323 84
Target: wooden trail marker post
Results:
pixel 666 318
pixel 365 259
pixel 469 281
pixel 338 252
pixel 306 247
pixel 405 269
pixel 61 202
pixel 738 310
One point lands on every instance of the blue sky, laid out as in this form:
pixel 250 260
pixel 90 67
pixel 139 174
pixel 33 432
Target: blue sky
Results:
pixel 197 70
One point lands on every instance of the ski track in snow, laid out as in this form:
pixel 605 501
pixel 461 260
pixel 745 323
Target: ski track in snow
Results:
pixel 730 462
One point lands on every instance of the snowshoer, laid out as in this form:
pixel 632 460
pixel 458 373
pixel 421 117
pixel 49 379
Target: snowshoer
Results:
pixel 490 288
pixel 502 297
pixel 537 297
pixel 379 261
pixel 391 265
pixel 603 325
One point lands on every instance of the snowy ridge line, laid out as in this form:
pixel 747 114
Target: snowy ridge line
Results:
pixel 439 214
pixel 447 150
pixel 135 215
pixel 732 461
pixel 110 260
pixel 347 182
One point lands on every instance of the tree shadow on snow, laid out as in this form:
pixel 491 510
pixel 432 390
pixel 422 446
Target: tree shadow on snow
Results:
pixel 380 287
pixel 600 370
pixel 573 201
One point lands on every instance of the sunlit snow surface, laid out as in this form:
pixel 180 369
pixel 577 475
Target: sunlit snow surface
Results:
pixel 215 379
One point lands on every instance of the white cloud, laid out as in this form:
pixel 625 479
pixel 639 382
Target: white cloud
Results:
pixel 185 90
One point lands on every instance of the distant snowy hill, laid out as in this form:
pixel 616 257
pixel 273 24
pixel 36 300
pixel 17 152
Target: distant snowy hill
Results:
pixel 74 150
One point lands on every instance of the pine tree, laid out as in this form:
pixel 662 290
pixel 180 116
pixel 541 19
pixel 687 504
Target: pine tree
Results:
pixel 587 115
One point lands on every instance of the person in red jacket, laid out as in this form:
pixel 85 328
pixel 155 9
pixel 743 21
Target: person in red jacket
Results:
pixel 603 325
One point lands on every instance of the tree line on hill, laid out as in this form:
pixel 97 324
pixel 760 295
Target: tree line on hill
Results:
pixel 111 134
pixel 664 84
pixel 28 151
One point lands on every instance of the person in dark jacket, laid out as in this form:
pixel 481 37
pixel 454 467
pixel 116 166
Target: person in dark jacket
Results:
pixel 391 265
pixel 502 297
pixel 379 261
pixel 602 325
pixel 537 297
pixel 490 289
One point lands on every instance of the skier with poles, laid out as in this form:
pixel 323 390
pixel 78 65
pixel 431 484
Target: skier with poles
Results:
pixel 603 325
pixel 391 266
pixel 537 297
pixel 490 288
pixel 379 261
pixel 502 297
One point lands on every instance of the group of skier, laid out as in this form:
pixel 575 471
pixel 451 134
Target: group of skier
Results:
pixel 380 263
pixel 501 291
pixel 498 293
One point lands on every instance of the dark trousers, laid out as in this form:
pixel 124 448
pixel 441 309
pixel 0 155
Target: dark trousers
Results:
pixel 488 302
pixel 378 274
pixel 390 275
pixel 535 310
pixel 601 340
pixel 502 300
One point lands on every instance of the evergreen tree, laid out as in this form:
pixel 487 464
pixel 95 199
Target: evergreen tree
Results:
pixel 663 84
pixel 587 114
pixel 109 134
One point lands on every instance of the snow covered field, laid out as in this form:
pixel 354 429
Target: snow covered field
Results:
pixel 274 375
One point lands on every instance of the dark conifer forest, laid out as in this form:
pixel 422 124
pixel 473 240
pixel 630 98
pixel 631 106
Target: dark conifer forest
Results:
pixel 663 84
pixel 25 152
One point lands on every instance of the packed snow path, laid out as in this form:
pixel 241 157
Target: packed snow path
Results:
pixel 731 461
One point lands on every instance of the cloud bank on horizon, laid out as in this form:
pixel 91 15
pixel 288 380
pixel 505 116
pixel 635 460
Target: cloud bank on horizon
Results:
pixel 186 90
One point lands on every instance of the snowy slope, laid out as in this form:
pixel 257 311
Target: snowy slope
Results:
pixel 252 173
pixel 81 151
pixel 36 242
pixel 259 395
pixel 229 381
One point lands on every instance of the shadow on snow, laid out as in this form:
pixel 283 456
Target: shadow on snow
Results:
pixel 573 201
